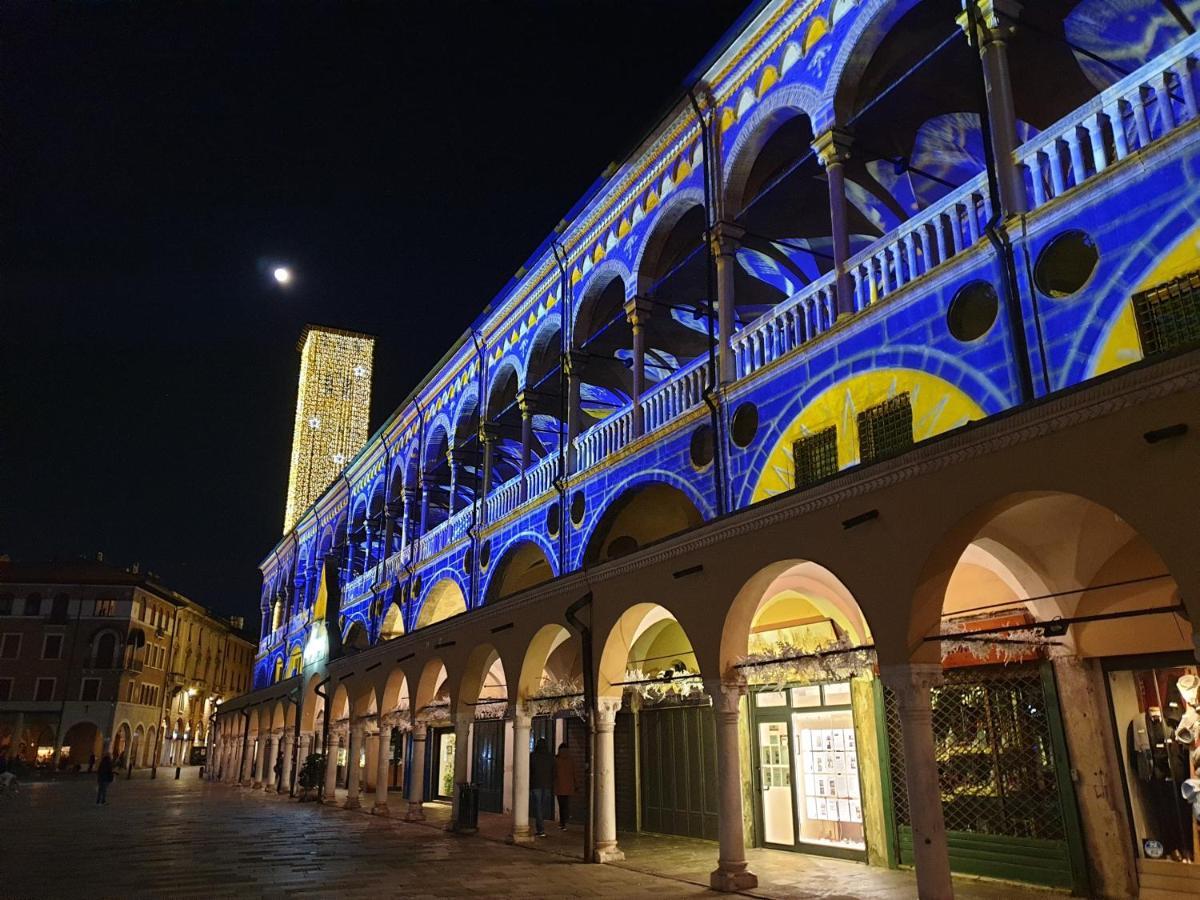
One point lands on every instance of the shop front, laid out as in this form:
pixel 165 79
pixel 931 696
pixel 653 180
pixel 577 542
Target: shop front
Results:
pixel 1155 721
pixel 439 764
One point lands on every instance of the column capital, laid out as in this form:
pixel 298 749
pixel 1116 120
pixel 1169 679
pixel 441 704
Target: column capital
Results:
pixel 727 238
pixel 907 679
pixel 606 712
pixel 574 362
pixel 527 403
pixel 833 146
pixel 996 19
pixel 726 694
pixel 489 433
pixel 637 311
pixel 420 731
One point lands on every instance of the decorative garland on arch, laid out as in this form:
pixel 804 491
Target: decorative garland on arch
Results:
pixel 557 695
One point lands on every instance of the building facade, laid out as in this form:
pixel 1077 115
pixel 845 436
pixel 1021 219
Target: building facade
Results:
pixel 95 659
pixel 829 475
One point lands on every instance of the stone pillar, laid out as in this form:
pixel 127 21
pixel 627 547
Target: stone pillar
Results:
pixel 411 499
pixel 424 489
pixel 383 756
pixel 526 404
pixel 303 750
pixel 573 362
pixel 725 242
pixel 389 530
pixel 331 754
pixel 260 757
pixel 911 684
pixel 452 501
pixel 269 764
pixel 285 768
pixel 353 769
pixel 637 312
pixel 487 450
pixel 833 149
pixel 606 782
pixel 731 873
pixel 246 773
pixel 520 779
pixel 416 778
pixel 994 24
pixel 462 747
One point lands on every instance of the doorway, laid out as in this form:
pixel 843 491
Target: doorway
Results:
pixel 809 789
pixel 487 769
pixel 439 764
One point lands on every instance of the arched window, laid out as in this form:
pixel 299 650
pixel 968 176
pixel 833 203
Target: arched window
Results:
pixel 104 651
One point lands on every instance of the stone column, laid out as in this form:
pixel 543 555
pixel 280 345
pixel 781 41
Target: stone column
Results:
pixel 487 449
pixel 731 873
pixel 606 783
pixel 416 778
pixel 331 753
pixel 833 149
pixel 911 683
pixel 725 242
pixel 260 757
pixel 390 514
pixel 527 405
pixel 269 763
pixel 246 774
pixel 452 501
pixel 303 750
pixel 462 747
pixel 994 24
pixel 411 500
pixel 383 758
pixel 353 769
pixel 520 779
pixel 637 312
pixel 285 768
pixel 424 489
pixel 573 362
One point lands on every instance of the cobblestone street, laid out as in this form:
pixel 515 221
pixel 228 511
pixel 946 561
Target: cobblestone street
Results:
pixel 189 838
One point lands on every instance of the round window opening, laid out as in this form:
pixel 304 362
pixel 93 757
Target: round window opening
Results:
pixel 702 446
pixel 485 554
pixel 973 311
pixel 553 520
pixel 745 424
pixel 577 508
pixel 1066 264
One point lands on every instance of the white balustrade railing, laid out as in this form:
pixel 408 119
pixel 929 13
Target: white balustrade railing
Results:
pixel 540 478
pixel 793 322
pixel 504 499
pixel 1142 107
pixel 668 400
pixel 604 438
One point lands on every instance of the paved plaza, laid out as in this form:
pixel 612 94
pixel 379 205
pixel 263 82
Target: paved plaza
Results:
pixel 188 838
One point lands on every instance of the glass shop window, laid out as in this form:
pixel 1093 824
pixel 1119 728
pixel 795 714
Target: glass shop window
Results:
pixel 1158 728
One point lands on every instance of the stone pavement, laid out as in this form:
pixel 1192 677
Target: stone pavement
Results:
pixel 190 838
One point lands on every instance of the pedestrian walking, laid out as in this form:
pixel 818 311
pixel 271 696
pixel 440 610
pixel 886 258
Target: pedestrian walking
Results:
pixel 91 761
pixel 541 782
pixel 566 783
pixel 104 777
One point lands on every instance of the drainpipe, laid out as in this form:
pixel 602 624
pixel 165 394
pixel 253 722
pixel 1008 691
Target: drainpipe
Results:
pixel 589 705
pixel 710 389
pixel 474 584
pixel 994 228
pixel 420 478
pixel 324 695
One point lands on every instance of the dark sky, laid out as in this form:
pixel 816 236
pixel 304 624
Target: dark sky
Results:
pixel 405 157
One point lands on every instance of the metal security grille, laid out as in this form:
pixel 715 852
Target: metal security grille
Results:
pixel 816 457
pixel 993 747
pixel 1168 316
pixel 885 429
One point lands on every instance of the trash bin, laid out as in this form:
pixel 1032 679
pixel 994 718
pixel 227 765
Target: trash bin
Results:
pixel 468 808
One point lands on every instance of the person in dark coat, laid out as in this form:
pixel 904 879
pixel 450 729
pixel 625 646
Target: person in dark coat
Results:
pixel 566 783
pixel 541 782
pixel 104 777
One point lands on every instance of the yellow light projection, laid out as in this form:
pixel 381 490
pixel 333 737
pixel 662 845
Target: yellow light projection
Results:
pixel 333 408
pixel 1121 346
pixel 937 405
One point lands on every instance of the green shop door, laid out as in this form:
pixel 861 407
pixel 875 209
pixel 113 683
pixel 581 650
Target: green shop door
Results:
pixel 1006 790
pixel 678 758
pixel 487 764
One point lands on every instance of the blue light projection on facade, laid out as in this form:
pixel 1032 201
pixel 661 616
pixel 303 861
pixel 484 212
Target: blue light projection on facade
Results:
pixel 849 209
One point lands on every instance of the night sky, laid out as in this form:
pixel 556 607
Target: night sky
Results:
pixel 404 157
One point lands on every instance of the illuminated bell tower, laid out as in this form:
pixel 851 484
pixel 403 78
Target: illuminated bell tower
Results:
pixel 333 408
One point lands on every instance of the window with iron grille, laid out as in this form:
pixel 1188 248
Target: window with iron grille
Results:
pixel 994 755
pixel 1168 316
pixel 816 456
pixel 886 429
